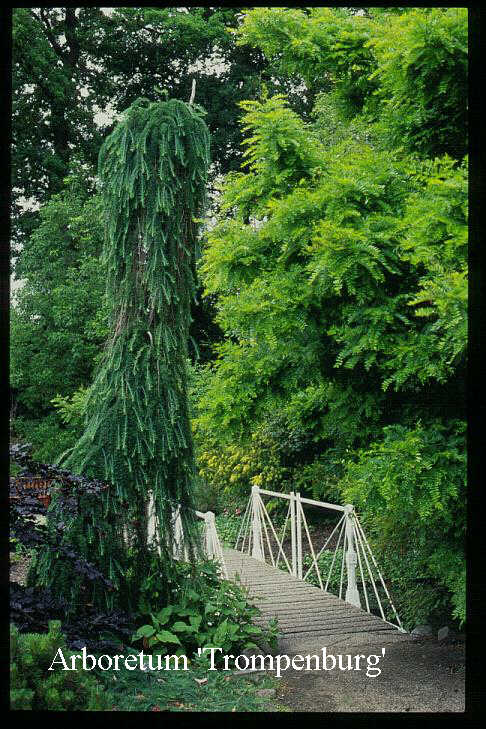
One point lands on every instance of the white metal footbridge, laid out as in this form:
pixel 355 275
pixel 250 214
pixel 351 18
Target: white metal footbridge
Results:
pixel 349 594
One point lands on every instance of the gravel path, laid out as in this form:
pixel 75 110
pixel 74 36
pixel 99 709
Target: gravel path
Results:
pixel 19 569
pixel 418 675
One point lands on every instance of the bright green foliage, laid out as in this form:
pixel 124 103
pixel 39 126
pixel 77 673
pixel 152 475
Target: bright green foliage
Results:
pixel 137 435
pixel 407 69
pixel 34 688
pixel 322 261
pixel 72 409
pixel 411 490
pixel 422 59
pixel 325 46
pixel 435 232
pixel 324 282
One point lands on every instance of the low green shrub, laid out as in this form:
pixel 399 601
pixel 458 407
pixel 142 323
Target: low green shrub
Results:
pixel 410 491
pixel 203 611
pixel 49 436
pixel 19 551
pixel 318 479
pixel 207 496
pixel 33 687
pixel 325 561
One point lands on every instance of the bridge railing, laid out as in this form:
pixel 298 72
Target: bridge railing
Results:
pixel 358 567
pixel 210 544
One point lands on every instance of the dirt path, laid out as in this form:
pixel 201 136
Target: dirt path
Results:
pixel 418 675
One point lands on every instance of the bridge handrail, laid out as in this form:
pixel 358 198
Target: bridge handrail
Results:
pixel 356 551
pixel 211 543
pixel 311 502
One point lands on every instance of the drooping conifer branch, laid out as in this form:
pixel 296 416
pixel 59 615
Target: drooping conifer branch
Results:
pixel 137 434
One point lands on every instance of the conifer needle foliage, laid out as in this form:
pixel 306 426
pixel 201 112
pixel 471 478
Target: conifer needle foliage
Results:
pixel 137 435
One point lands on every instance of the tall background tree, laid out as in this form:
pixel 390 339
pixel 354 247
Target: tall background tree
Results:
pixel 339 269
pixel 74 68
pixel 74 71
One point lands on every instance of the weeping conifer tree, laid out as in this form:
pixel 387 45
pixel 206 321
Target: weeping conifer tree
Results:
pixel 153 171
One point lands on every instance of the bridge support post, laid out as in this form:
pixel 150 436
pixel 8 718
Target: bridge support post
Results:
pixel 257 546
pixel 179 549
pixel 210 525
pixel 151 525
pixel 352 594
pixel 293 532
pixel 298 533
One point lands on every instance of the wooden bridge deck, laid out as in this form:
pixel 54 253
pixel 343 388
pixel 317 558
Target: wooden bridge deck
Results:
pixel 301 609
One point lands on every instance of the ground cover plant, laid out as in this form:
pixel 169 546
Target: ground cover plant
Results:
pixel 32 687
pixel 196 689
pixel 202 610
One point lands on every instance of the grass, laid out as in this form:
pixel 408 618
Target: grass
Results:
pixel 193 690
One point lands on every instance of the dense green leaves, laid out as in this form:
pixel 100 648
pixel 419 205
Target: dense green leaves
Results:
pixel 422 75
pixel 34 688
pixel 205 611
pixel 74 68
pixel 324 46
pixel 311 287
pixel 339 267
pixel 59 317
pixel 411 488
pixel 406 69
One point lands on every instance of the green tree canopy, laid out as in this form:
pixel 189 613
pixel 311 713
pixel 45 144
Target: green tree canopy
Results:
pixel 408 69
pixel 59 314
pixel 322 291
pixel 71 65
pixel 339 268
